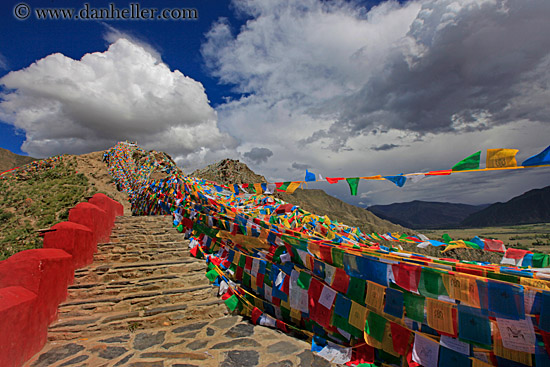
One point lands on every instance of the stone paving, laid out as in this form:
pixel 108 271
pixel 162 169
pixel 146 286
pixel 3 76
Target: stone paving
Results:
pixel 145 301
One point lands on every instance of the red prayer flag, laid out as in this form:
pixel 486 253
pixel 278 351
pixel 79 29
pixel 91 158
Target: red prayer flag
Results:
pixel 407 276
pixel 333 180
pixel 341 281
pixel 256 313
pixel 444 172
pixel 401 338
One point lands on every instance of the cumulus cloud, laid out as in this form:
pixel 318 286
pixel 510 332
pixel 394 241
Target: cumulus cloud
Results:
pixel 258 155
pixel 126 92
pixel 395 88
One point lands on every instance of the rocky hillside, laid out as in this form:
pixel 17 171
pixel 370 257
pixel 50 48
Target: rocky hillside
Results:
pixel 9 160
pixel 315 201
pixel 530 207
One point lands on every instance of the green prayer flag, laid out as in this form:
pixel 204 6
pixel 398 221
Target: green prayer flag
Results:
pixel 337 257
pixel 468 163
pixel 303 280
pixel 446 238
pixel 414 306
pixel 472 245
pixel 212 275
pixel 246 280
pixel 284 186
pixel 540 260
pixel 356 290
pixel 232 302
pixel 353 183
pixel 431 284
pixel 375 326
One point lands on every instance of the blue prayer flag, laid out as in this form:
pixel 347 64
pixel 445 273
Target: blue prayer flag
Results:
pixel 473 326
pixel 538 160
pixel 394 303
pixel 398 180
pixel 310 176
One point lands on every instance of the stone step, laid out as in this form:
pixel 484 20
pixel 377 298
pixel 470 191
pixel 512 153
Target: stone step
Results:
pixel 141 246
pixel 142 319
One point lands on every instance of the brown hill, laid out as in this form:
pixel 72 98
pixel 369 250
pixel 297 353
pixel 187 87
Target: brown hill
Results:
pixel 9 160
pixel 315 201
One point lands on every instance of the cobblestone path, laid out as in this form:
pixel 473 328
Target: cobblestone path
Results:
pixel 145 301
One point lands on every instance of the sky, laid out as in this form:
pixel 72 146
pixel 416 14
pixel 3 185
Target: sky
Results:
pixel 341 88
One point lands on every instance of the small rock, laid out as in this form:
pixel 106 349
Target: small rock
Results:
pixel 225 322
pixel 197 344
pixel 189 327
pixel 308 359
pixel 117 339
pixel 244 342
pixel 240 330
pixel 285 363
pixel 112 352
pixel 75 360
pixel 124 360
pixel 241 358
pixel 147 340
pixel 210 331
pixel 57 354
pixel 283 347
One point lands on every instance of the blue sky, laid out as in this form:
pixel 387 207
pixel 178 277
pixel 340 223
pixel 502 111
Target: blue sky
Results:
pixel 342 88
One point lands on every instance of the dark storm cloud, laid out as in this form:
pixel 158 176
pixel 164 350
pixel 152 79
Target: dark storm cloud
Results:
pixel 258 155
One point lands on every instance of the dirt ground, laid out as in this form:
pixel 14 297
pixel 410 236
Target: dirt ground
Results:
pixel 92 166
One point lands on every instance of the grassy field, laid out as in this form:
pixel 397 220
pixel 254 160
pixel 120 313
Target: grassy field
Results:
pixel 35 200
pixel 534 237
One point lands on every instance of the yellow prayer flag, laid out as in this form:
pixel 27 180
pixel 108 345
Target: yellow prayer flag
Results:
pixel 258 188
pixel 295 314
pixel 440 315
pixel 236 258
pixel 536 283
pixel 285 304
pixel 293 186
pixel 478 363
pixel 357 315
pixel 462 288
pixel 258 302
pixel 387 341
pixel 500 158
pixel 375 296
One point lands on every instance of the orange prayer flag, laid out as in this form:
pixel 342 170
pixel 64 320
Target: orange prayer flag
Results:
pixel 293 186
pixel 375 296
pixel 501 158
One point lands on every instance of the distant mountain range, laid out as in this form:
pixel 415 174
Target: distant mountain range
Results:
pixel 425 214
pixel 530 207
pixel 9 160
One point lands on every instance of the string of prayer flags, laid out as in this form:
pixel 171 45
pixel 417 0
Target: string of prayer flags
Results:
pixel 540 159
pixel 469 163
pixel 501 158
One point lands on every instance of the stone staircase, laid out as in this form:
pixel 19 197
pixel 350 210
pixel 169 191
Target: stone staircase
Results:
pixel 144 278
pixel 145 301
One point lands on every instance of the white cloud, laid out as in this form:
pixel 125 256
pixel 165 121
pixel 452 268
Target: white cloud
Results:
pixel 74 106
pixel 3 63
pixel 398 88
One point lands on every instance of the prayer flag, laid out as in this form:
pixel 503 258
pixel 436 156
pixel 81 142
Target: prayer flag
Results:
pixel 414 306
pixel 375 296
pixel 440 316
pixel 232 302
pixel 357 315
pixel 375 325
pixel 293 186
pixel 353 183
pixel 394 303
pixel 473 326
pixel 468 163
pixel 425 351
pixel 398 180
pixel 333 180
pixel 501 158
pixel 540 159
pixel 309 176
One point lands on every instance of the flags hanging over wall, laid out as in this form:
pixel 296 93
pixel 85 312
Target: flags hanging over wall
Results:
pixel 500 158
pixel 468 163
